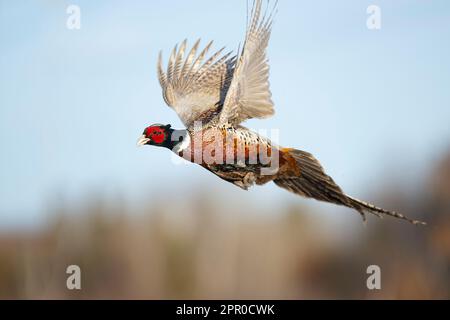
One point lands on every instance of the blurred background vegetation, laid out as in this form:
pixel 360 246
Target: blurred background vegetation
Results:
pixel 213 250
pixel 371 105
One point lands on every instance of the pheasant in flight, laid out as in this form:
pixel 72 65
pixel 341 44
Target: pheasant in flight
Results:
pixel 214 97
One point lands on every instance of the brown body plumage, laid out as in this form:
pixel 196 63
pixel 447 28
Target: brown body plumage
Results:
pixel 298 171
pixel 213 98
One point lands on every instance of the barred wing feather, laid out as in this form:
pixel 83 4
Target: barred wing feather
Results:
pixel 193 88
pixel 249 94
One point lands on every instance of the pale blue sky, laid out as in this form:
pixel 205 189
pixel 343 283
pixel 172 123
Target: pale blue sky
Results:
pixel 73 103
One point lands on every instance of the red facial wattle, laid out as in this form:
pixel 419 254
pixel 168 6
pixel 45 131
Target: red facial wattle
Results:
pixel 156 134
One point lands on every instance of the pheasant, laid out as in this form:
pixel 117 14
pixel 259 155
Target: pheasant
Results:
pixel 213 97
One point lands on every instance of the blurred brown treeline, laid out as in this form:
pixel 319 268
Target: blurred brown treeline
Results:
pixel 164 253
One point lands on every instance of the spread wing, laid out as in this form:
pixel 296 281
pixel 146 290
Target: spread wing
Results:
pixel 249 95
pixel 193 88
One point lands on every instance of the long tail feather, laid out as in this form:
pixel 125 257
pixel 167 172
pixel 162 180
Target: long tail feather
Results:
pixel 374 209
pixel 313 182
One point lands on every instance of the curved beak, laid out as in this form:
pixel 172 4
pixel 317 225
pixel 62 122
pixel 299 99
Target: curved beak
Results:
pixel 143 140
